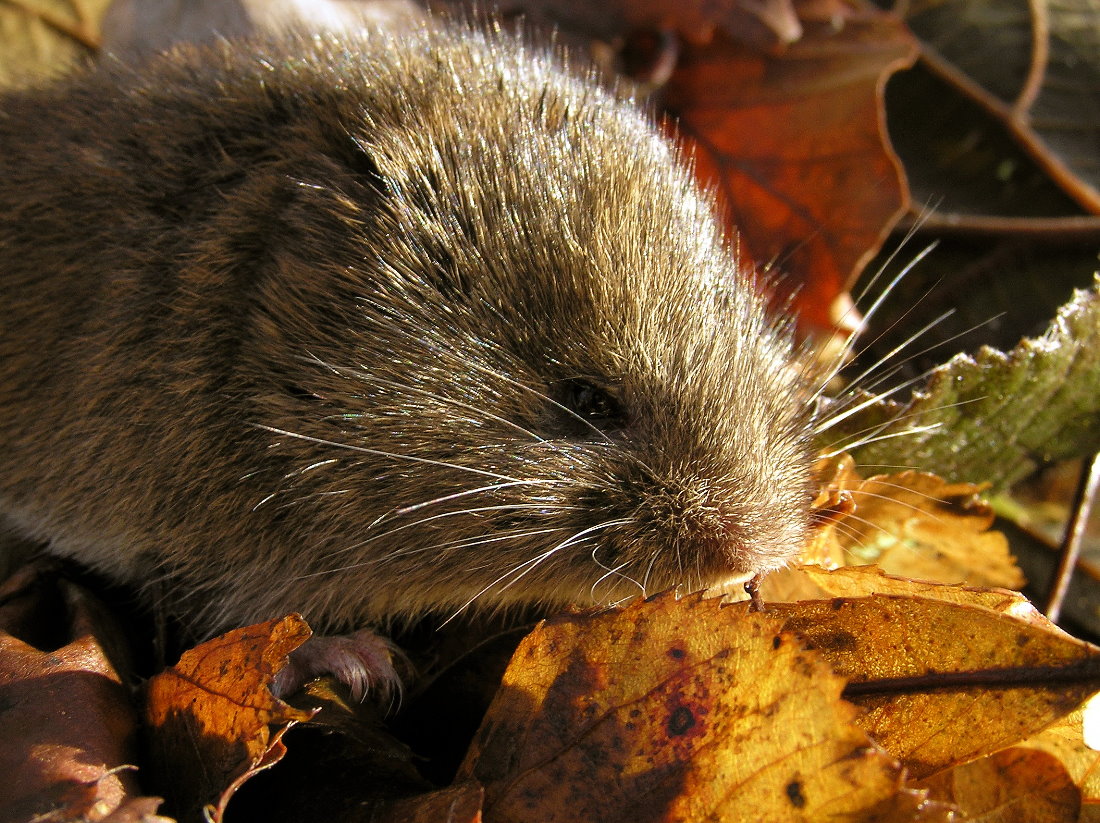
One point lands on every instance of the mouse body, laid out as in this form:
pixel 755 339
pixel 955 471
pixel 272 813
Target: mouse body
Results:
pixel 371 327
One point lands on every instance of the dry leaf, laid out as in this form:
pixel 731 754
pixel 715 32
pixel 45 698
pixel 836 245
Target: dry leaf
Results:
pixel 1010 786
pixel 942 683
pixel 911 524
pixel 797 146
pixel 66 724
pixel 1065 741
pixel 862 581
pixel 675 710
pixel 916 525
pixel 213 720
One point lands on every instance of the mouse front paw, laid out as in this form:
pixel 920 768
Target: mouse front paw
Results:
pixel 363 661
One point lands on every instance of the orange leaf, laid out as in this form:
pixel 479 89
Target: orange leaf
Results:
pixel 797 146
pixel 212 713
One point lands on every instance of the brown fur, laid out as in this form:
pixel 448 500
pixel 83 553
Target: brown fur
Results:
pixel 420 259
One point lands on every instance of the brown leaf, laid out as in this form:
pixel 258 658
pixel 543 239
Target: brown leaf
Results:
pixel 66 723
pixel 797 147
pixel 673 709
pixel 213 721
pixel 1012 785
pixel 1034 67
pixel 942 683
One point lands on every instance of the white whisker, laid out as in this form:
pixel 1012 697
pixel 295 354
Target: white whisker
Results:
pixel 528 565
pixel 378 453
pixel 468 492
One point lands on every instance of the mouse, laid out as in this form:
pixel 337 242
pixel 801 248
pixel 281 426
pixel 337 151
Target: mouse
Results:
pixel 372 328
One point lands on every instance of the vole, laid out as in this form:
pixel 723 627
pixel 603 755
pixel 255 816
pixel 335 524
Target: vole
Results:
pixel 373 327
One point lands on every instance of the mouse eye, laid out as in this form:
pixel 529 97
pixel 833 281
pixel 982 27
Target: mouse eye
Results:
pixel 596 405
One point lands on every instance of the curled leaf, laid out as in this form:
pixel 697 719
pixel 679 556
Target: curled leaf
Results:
pixel 213 720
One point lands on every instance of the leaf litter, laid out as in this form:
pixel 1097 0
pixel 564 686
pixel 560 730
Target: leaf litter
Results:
pixel 876 698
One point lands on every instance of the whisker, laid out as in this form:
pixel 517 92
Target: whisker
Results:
pixel 856 386
pixel 528 565
pixel 857 381
pixel 888 436
pixel 468 492
pixel 870 400
pixel 412 389
pixel 906 505
pixel 608 573
pixel 468 542
pixel 846 350
pixel 379 453
pixel 442 515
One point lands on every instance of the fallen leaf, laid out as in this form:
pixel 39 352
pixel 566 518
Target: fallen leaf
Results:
pixel 863 581
pixel 914 524
pixel 679 710
pixel 944 682
pixel 1009 786
pixel 911 524
pixel 796 146
pixel 66 722
pixel 213 721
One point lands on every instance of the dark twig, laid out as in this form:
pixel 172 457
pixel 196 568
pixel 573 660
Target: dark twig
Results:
pixel 1074 534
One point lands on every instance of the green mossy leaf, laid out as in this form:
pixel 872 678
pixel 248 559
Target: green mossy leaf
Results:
pixel 998 416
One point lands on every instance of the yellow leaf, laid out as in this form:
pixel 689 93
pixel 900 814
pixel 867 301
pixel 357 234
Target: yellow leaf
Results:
pixel 945 682
pixel 676 710
pixel 1013 785
pixel 916 525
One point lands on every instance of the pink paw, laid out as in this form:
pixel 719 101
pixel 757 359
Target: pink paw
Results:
pixel 362 661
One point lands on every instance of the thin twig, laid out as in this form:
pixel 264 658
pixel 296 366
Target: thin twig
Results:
pixel 1075 533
